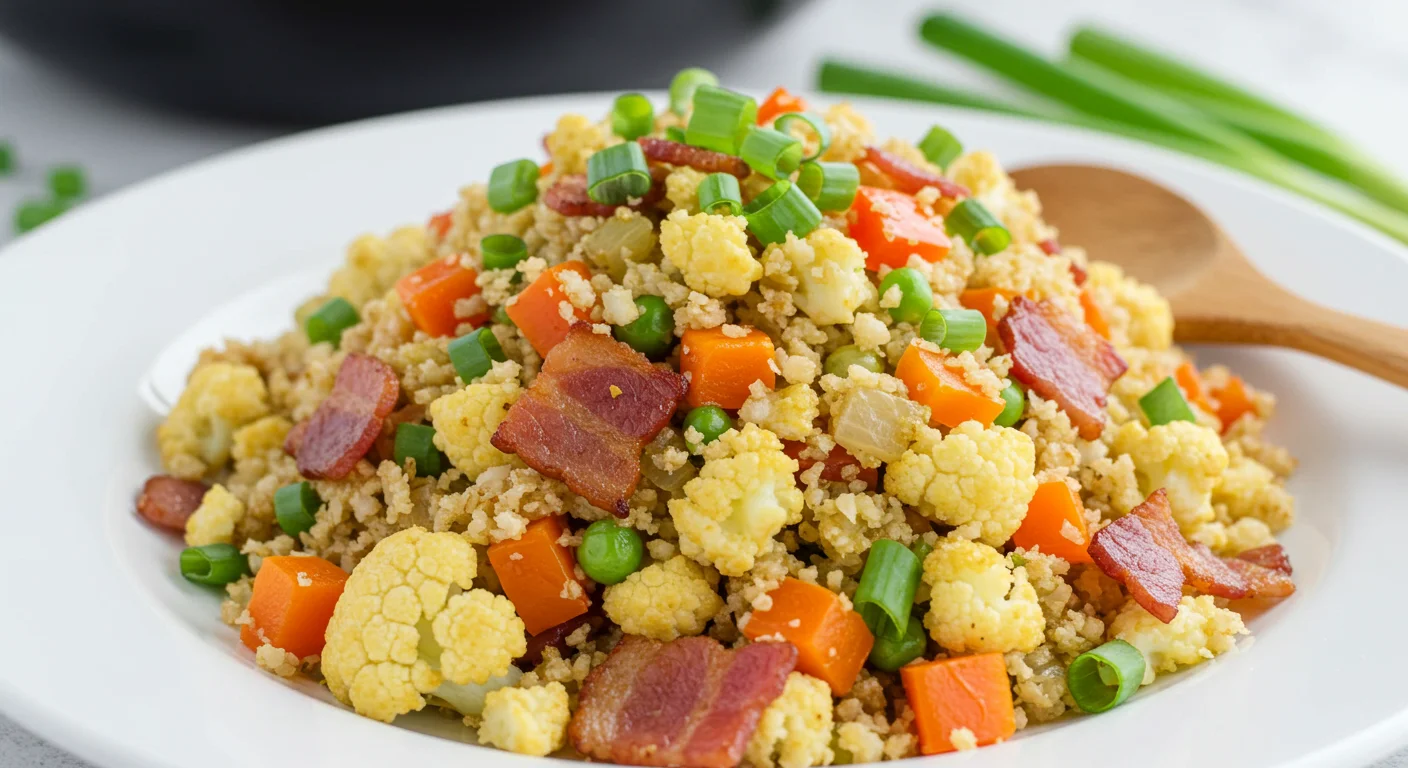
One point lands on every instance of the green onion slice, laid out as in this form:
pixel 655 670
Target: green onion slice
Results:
pixel 330 320
pixel 213 564
pixel 475 353
pixel 771 152
pixel 891 653
pixel 295 505
pixel 675 133
pixel 1014 397
pixel 1101 679
pixel 780 209
pixel 67 182
pixel 887 587
pixel 832 186
pixel 513 185
pixel 502 251
pixel 976 224
pixel 965 329
pixel 417 441
pixel 721 119
pixel 812 120
pixel 933 328
pixel 1165 403
pixel 632 116
pixel 682 88
pixel 617 173
pixel 720 191
pixel 921 549
pixel 940 147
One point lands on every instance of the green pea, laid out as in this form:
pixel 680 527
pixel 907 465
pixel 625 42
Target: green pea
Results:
pixel 67 182
pixel 1015 398
pixel 916 297
pixel 711 421
pixel 839 362
pixel 890 653
pixel 609 552
pixel 652 333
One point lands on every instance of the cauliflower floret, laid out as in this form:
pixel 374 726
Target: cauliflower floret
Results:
pixel 574 139
pixel 1181 457
pixel 855 743
pixel 215 519
pixel 682 188
pixel 1232 539
pixel 830 272
pixel 529 721
pixel 850 523
pixel 980 480
pixel 465 420
pixel 260 437
pixel 1200 631
pixel 742 497
pixel 711 251
pixel 403 629
pixel 1135 313
pixel 787 412
pixel 795 729
pixel 665 600
pixel 1250 490
pixel 977 602
pixel 219 398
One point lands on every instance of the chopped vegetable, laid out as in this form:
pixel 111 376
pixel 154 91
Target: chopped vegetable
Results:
pixel 214 565
pixel 666 480
pixel 872 423
pixel 891 653
pixel 718 193
pixel 921 549
pixel 771 152
pixel 985 301
pixel 950 398
pixel 1093 316
pixel 1233 401
pixel 7 158
pixel 972 221
pixel 1014 395
pixel 33 213
pixel 710 421
pixel 839 362
pixel 652 333
pixel 293 600
pixel 721 119
pixel 831 186
pixel 832 640
pixel 609 552
pixel 537 310
pixel 330 320
pixel 815 123
pixel 1165 403
pixel 417 441
pixel 836 466
pixel 439 224
pixel 513 185
pixel 720 368
pixel 780 209
pixel 1191 382
pixel 618 173
pixel 502 251
pixel 939 146
pixel 536 572
pixel 956 330
pixel 887 586
pixel 632 116
pixel 618 242
pixel 295 506
pixel 1055 522
pixel 965 693
pixel 673 152
pixel 431 295
pixel 684 84
pixel 1103 678
pixel 904 176
pixel 889 226
pixel 779 102
pixel 915 295
pixel 475 353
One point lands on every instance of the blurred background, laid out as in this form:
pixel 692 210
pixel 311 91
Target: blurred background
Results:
pixel 126 89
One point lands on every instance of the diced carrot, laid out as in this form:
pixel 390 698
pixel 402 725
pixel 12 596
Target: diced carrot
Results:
pixel 545 169
pixel 836 462
pixel 1233 400
pixel 538 310
pixel 721 368
pixel 538 575
pixel 889 226
pixel 431 292
pixel 984 300
pixel 970 692
pixel 1093 316
pixel 779 102
pixel 1051 508
pixel 1191 382
pixel 950 398
pixel 292 603
pixel 439 223
pixel 832 640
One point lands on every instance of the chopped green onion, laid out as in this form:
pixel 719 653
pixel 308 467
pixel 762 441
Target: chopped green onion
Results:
pixel 502 251
pixel 330 320
pixel 966 329
pixel 67 182
pixel 974 223
pixel 709 421
pixel 780 209
pixel 887 587
pixel 839 362
pixel 933 328
pixel 295 505
pixel 475 353
pixel 721 119
pixel 720 190
pixel 513 185
pixel 1165 403
pixel 609 552
pixel 213 564
pixel 1014 397
pixel 34 213
pixel 7 158
pixel 1017 560
pixel 916 297
pixel 890 653
pixel 617 173
pixel 816 122
pixel 682 88
pixel 832 186
pixel 501 317
pixel 771 152
pixel 632 116
pixel 417 441
pixel 1101 679
pixel 652 333
pixel 921 549
pixel 675 133
pixel 940 147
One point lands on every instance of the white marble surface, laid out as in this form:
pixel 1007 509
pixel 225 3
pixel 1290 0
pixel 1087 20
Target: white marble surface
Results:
pixel 1344 62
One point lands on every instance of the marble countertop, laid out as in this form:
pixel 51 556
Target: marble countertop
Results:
pixel 1345 63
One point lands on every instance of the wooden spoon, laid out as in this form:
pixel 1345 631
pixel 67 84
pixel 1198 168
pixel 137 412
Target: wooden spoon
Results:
pixel 1217 295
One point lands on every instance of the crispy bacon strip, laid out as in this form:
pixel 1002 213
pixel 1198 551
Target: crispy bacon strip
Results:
pixel 1264 581
pixel 1271 556
pixel 688 703
pixel 1061 359
pixel 708 161
pixel 909 178
pixel 593 407
pixel 1050 246
pixel 1202 570
pixel 167 502
pixel 1127 552
pixel 346 424
pixel 295 438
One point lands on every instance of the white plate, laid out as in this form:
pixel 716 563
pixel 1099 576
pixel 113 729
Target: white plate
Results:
pixel 106 651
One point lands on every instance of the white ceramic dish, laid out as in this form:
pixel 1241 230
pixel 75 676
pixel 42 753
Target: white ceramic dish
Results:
pixel 109 653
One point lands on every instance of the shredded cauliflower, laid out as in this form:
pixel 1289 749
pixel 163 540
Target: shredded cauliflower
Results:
pixel 465 420
pixel 666 600
pixel 978 603
pixel 980 480
pixel 1181 457
pixel 1200 631
pixel 403 629
pixel 787 412
pixel 1250 490
pixel 215 519
pixel 795 729
pixel 219 398
pixel 828 269
pixel 711 251
pixel 742 497
pixel 529 721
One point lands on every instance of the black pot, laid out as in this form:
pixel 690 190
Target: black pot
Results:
pixel 316 61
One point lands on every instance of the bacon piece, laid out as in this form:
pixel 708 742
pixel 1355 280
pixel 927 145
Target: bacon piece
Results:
pixel 1079 274
pixel 1264 581
pixel 1127 553
pixel 1202 570
pixel 1062 359
pixel 295 438
pixel 909 178
pixel 1049 246
pixel 1271 556
pixel 556 637
pixel 167 502
pixel 593 407
pixel 346 424
pixel 708 161
pixel 836 462
pixel 689 702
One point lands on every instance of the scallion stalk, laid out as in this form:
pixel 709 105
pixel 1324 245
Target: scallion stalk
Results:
pixel 832 186
pixel 719 193
pixel 964 329
pixel 721 119
pixel 887 587
pixel 686 82
pixel 771 152
pixel 632 116
pixel 815 122
pixel 973 222
pixel 1103 678
pixel 780 209
pixel 940 147
pixel 617 173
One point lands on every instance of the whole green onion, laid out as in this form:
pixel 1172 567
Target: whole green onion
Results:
pixel 934 327
pixel 502 251
pixel 475 353
pixel 720 191
pixel 832 186
pixel 771 152
pixel 964 329
pixel 940 147
pixel 890 653
pixel 685 83
pixel 721 119
pixel 617 173
pixel 780 209
pixel 513 185
pixel 330 320
pixel 843 77
pixel 815 122
pixel 1165 403
pixel 417 441
pixel 295 505
pixel 973 222
pixel 1014 398
pixel 887 587
pixel 632 116
pixel 213 564
pixel 1103 678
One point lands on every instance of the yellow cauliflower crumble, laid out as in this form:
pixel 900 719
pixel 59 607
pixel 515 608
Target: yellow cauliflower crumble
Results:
pixel 711 252
pixel 978 603
pixel 215 519
pixel 465 421
pixel 795 729
pixel 666 600
pixel 827 271
pixel 529 721
pixel 219 398
pixel 787 412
